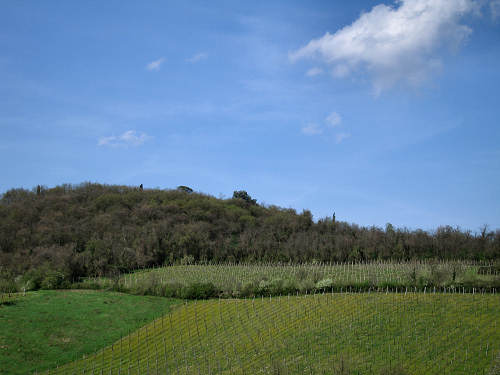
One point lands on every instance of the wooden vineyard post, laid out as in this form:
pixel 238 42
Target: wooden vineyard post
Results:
pixel 165 353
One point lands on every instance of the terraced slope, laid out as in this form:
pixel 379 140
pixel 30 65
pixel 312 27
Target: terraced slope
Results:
pixel 368 333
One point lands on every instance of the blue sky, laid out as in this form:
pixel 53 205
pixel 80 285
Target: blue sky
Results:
pixel 378 111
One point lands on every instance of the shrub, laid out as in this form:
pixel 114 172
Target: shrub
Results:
pixel 324 284
pixel 171 290
pixel 440 275
pixel 391 285
pixel 274 287
pixel 199 291
pixel 423 282
pixel 8 286
pixel 32 280
pixel 289 287
pixel 54 280
pixel 365 285
pixel 249 289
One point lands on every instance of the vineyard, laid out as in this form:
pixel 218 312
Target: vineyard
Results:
pixel 246 280
pixel 339 333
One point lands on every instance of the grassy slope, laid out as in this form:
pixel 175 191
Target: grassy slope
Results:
pixel 47 328
pixel 331 333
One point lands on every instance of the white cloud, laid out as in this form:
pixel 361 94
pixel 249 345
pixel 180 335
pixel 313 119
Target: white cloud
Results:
pixel 398 43
pixel 155 65
pixel 314 72
pixel 197 57
pixel 312 129
pixel 341 136
pixel 129 138
pixel 495 9
pixel 333 119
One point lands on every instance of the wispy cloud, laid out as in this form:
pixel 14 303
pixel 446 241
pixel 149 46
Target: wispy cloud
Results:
pixel 333 119
pixel 155 65
pixel 197 57
pixel 495 9
pixel 341 136
pixel 395 43
pixel 314 72
pixel 129 138
pixel 312 129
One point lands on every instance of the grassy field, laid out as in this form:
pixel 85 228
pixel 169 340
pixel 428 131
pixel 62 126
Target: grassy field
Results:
pixel 348 333
pixel 236 280
pixel 47 328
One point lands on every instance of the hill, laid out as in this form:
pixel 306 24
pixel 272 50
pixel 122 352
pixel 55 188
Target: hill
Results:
pixel 94 229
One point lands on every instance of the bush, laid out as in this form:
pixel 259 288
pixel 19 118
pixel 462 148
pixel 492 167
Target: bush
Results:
pixel 274 287
pixel 365 285
pixel 54 280
pixel 199 291
pixel 440 275
pixel 32 280
pixel 324 284
pixel 471 281
pixel 249 289
pixel 171 290
pixel 271 287
pixel 289 287
pixel 423 282
pixel 391 285
pixel 8 286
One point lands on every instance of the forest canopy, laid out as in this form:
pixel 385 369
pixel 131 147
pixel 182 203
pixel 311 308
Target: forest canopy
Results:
pixel 96 229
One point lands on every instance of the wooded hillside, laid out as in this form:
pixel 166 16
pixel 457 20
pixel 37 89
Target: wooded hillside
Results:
pixel 90 229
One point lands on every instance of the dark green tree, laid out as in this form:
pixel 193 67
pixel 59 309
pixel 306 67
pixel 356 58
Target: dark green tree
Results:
pixel 185 189
pixel 242 194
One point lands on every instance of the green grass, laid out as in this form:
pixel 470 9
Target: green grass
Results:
pixel 367 333
pixel 47 328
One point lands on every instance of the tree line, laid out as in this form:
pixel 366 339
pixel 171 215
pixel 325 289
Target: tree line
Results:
pixel 96 229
